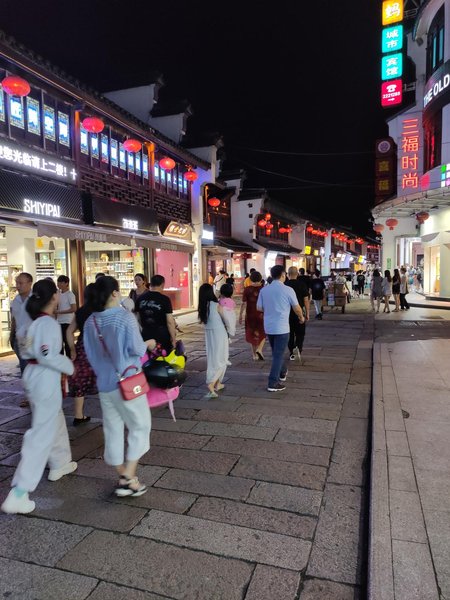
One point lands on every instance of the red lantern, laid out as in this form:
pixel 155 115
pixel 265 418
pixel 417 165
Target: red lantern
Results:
pixel 268 216
pixel 214 202
pixel 310 228
pixel 93 124
pixel 168 164
pixel 334 235
pixel 16 86
pixel 262 222
pixel 378 228
pixel 422 217
pixel 190 176
pixel 268 230
pixel 325 234
pixel 289 229
pixel 392 223
pixel 132 145
pixel 269 225
pixel 282 229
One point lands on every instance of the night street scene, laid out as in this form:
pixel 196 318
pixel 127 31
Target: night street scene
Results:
pixel 225 300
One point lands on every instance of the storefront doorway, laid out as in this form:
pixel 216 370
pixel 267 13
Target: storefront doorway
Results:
pixel 175 267
pixel 434 269
pixel 119 261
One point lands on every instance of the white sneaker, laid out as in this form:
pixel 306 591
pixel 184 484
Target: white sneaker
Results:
pixel 14 504
pixel 56 474
pixel 229 363
pixel 292 357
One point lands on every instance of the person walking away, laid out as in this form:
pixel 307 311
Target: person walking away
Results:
pixel 376 291
pixel 83 382
pixel 275 302
pixel 247 280
pixel 419 281
pixel 47 441
pixel 20 319
pixel 67 305
pixel 230 280
pixel 297 330
pixel 355 285
pixel 403 289
pixel 113 343
pixel 219 280
pixel 254 320
pixel 304 277
pixel 317 286
pixel 210 313
pixel 228 306
pixel 361 283
pixel 396 289
pixel 386 286
pixel 156 315
pixel 142 286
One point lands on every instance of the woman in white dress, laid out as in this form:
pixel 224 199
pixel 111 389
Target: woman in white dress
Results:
pixel 210 314
pixel 386 286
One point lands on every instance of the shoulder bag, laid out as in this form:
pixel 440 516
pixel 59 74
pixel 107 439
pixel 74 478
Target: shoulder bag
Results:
pixel 133 386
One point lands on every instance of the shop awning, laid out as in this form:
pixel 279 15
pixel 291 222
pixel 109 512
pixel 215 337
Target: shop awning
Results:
pixel 111 236
pixel 235 245
pixel 286 249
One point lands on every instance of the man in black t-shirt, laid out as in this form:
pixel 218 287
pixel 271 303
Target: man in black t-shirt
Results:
pixel 155 315
pixel 297 330
pixel 317 286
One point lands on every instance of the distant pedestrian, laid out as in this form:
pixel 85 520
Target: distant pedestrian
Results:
pixel 386 286
pixel 228 306
pixel 230 281
pixel 403 289
pixel 20 320
pixel 142 286
pixel 304 277
pixel 216 338
pixel 219 280
pixel 276 301
pixel 297 329
pixel 317 292
pixel 254 320
pixel 396 280
pixel 67 305
pixel 361 280
pixel 376 290
pixel 47 441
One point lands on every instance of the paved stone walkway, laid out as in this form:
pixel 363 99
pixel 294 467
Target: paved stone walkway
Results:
pixel 253 496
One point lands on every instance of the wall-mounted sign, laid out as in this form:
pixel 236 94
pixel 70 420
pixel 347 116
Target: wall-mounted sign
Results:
pixel 437 88
pixel 179 230
pixel 33 161
pixel 392 66
pixel 130 224
pixel 392 11
pixel 207 236
pixel 307 250
pixel 392 39
pixel 409 155
pixel 391 93
pixel 41 209
pixel 118 215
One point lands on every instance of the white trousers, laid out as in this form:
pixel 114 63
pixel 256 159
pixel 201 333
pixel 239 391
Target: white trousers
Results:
pixel 47 441
pixel 117 413
pixel 318 306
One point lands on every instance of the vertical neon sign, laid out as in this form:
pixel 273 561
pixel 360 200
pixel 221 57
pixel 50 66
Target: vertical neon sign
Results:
pixel 409 160
pixel 392 58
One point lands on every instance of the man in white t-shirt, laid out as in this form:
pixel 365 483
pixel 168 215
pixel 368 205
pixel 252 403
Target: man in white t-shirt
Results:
pixel 67 305
pixel 20 319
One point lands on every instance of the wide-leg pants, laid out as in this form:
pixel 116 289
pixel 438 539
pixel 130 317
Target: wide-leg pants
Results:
pixel 47 441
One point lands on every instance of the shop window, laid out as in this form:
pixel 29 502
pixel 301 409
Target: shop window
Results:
pixel 49 123
pixel 145 166
pixel 2 106
pixel 130 163
pixel 435 39
pixel 63 129
pixel 105 148
pixel 138 163
pixel 33 116
pixel 114 153
pixel 114 259
pixel 433 142
pixel 16 116
pixel 122 158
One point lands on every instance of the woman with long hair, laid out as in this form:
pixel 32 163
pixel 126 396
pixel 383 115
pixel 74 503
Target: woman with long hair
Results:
pixel 396 289
pixel 386 286
pixel 82 383
pixel 254 319
pixel 210 314
pixel 142 286
pixel 113 343
pixel 47 440
pixel 376 291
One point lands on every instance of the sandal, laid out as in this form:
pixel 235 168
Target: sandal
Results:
pixel 219 387
pixel 125 490
pixel 212 395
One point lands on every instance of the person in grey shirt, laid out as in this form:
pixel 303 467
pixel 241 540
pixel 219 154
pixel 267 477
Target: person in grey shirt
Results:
pixel 276 301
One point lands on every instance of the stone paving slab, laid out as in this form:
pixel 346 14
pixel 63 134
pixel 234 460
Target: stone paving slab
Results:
pixel 299 424
pixel 223 417
pixel 97 468
pixel 110 591
pixel 196 460
pixel 307 438
pixel 285 497
pixel 176 439
pixel 254 517
pixel 207 484
pixel 269 583
pixel 35 540
pixel 10 443
pixel 22 581
pixel 318 589
pixel 234 430
pixel 414 574
pixel 180 573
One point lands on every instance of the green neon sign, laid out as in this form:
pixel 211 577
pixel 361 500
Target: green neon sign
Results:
pixel 392 39
pixel 391 66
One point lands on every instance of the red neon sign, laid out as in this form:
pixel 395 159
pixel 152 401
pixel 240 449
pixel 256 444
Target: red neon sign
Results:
pixel 409 160
pixel 391 93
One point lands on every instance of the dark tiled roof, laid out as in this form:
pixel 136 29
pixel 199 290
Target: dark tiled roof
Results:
pixel 234 244
pixel 164 109
pixel 278 247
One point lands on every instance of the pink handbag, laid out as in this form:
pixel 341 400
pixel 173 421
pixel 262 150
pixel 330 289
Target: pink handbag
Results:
pixel 157 397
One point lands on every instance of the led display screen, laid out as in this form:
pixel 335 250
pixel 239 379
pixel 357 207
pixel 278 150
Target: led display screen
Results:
pixel 63 129
pixel 114 153
pixel 49 123
pixel 122 159
pixel 94 145
pixel 33 116
pixel 105 153
pixel 16 111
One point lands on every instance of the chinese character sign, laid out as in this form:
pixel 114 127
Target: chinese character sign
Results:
pixel 392 39
pixel 392 11
pixel 391 93
pixel 409 155
pixel 392 59
pixel 391 66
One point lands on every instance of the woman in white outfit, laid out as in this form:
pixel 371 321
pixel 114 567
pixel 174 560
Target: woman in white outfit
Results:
pixel 47 441
pixel 113 343
pixel 386 286
pixel 210 314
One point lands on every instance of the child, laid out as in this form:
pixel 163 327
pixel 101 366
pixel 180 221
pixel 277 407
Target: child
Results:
pixel 47 440
pixel 229 308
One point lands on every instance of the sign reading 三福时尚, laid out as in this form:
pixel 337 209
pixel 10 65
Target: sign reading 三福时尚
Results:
pixel 409 155
pixel 33 161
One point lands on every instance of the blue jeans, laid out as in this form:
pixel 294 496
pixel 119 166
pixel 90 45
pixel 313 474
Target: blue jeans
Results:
pixel 278 343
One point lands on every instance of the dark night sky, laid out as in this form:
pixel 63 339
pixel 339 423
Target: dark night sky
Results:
pixel 298 76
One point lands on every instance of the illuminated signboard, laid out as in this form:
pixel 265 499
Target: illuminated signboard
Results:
pixel 145 166
pixel 33 116
pixel 409 159
pixel 94 145
pixel 63 129
pixel 392 11
pixel 130 224
pixel 122 159
pixel 307 250
pixel 114 153
pixel 84 140
pixel 16 111
pixel 391 66
pixel 391 93
pixel 392 39
pixel 38 163
pixel 49 123
pixel 2 106
pixel 138 163
pixel 156 171
pixel 445 175
pixel 130 163
pixel 104 145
